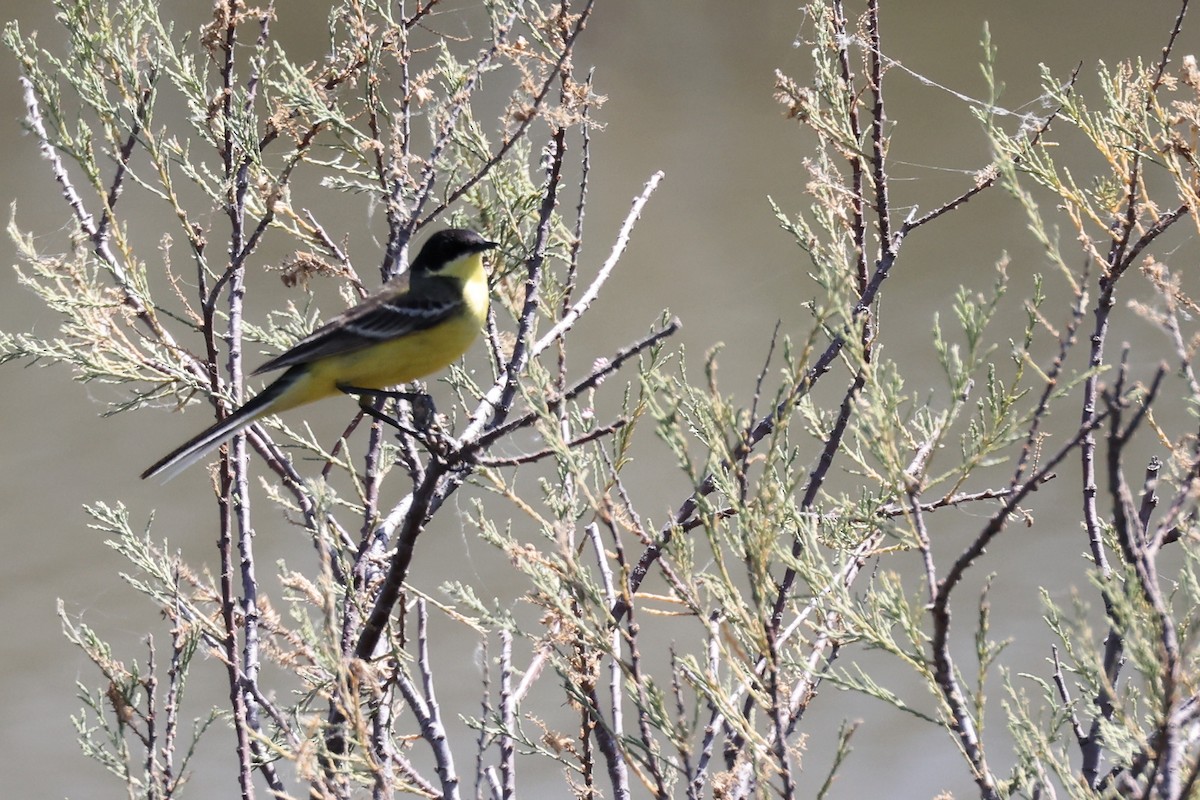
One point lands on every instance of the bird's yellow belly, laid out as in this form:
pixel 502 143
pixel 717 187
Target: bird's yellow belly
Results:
pixel 384 365
pixel 387 364
pixel 406 359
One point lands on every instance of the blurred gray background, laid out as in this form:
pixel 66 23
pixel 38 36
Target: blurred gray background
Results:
pixel 689 89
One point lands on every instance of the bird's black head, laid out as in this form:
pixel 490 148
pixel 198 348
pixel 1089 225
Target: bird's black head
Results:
pixel 446 246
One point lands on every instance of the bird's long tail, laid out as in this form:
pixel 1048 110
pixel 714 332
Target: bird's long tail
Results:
pixel 212 437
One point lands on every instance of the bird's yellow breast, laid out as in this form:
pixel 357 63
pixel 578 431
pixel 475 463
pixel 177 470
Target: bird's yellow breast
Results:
pixel 412 356
pixel 401 360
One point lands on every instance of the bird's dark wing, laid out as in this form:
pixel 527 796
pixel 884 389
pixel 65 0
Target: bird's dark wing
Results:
pixel 389 314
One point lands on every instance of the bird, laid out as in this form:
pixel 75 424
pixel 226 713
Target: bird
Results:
pixel 416 324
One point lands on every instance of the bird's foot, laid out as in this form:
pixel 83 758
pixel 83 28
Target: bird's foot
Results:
pixel 426 427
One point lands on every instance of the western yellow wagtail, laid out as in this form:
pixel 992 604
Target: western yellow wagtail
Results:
pixel 414 325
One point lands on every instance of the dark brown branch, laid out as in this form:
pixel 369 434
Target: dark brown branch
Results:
pixel 858 226
pixel 944 671
pixel 879 135
pixel 529 458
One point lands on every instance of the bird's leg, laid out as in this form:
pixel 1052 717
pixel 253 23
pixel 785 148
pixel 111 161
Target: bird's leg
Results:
pixel 424 412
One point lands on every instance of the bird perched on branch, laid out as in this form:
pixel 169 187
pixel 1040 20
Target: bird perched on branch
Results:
pixel 413 326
